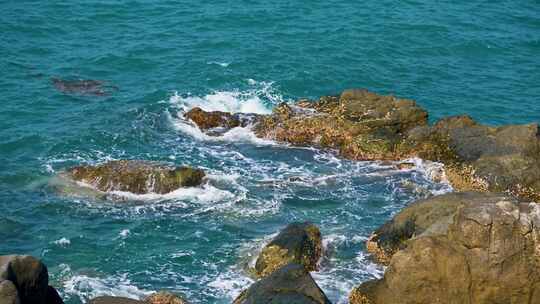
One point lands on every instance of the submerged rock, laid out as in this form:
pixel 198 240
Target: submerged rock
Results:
pixel 298 243
pixel 136 176
pixel 29 277
pixel 460 248
pixel 291 283
pixel 84 87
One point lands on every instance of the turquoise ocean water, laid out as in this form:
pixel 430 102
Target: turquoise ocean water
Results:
pixel 475 57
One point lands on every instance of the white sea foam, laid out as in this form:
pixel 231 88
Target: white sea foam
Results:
pixel 221 64
pixel 63 242
pixel 206 194
pixel 85 287
pixel 124 233
pixel 233 102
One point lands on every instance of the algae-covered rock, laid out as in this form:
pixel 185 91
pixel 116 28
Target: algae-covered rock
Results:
pixel 486 251
pixel 209 120
pixel 298 243
pixel 287 285
pixel 164 297
pixel 135 176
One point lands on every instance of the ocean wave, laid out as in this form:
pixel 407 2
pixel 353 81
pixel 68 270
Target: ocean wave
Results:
pixel 86 287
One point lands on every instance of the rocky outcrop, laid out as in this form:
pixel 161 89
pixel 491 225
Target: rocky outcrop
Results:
pixel 430 216
pixel 362 125
pixel 288 284
pixel 25 280
pixel 482 158
pixel 162 297
pixel 460 248
pixel 298 243
pixel 136 176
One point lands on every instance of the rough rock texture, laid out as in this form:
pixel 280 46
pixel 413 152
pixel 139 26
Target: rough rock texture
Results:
pixel 298 243
pixel 482 158
pixel 430 216
pixel 219 120
pixel 164 297
pixel 291 284
pixel 362 125
pixel 114 300
pixel 135 176
pixel 485 251
pixel 30 278
pixel 8 293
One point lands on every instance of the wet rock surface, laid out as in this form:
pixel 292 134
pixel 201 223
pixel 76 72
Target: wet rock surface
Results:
pixel 474 248
pixel 135 176
pixel 288 284
pixel 297 243
pixel 25 280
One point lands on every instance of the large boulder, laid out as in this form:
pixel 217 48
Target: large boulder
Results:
pixel 30 278
pixel 291 284
pixel 485 251
pixel 298 243
pixel 430 216
pixel 136 176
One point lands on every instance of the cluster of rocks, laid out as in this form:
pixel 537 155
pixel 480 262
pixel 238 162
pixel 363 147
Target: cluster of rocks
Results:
pixel 478 245
pixel 362 125
pixel 283 268
pixel 25 280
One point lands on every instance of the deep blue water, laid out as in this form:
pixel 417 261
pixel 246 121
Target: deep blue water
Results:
pixel 475 57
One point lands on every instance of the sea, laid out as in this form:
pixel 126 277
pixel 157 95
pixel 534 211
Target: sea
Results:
pixel 155 60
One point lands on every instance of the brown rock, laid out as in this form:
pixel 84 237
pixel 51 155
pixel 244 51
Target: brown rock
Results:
pixel 288 284
pixel 298 243
pixel 8 293
pixel 164 297
pixel 486 251
pixel 209 120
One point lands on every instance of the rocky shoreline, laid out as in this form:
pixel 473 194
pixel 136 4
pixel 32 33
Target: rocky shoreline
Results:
pixel 480 244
